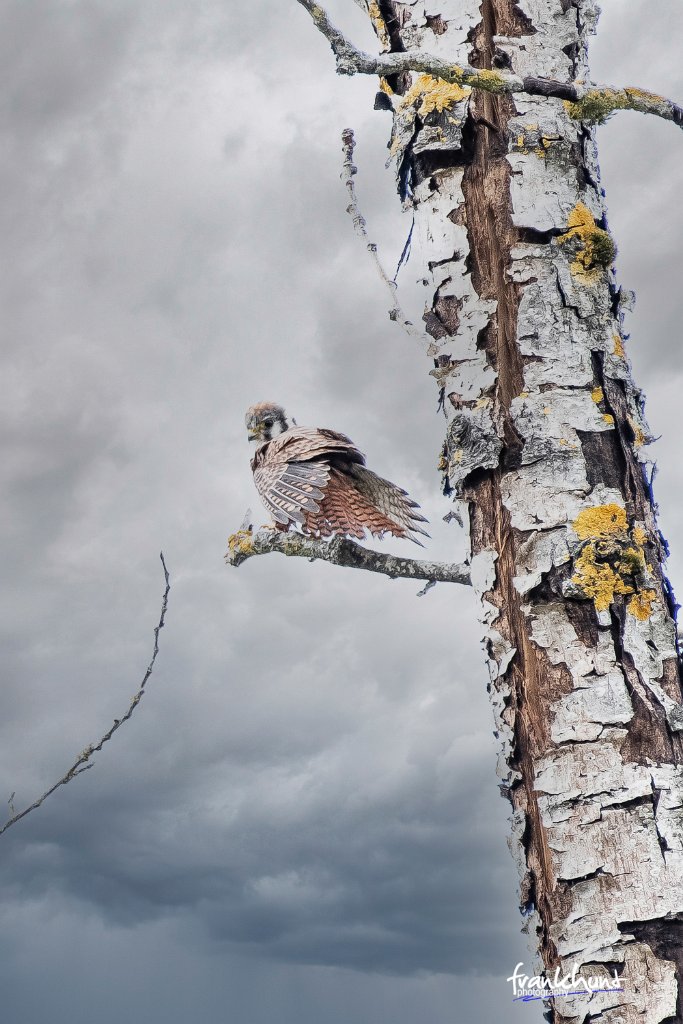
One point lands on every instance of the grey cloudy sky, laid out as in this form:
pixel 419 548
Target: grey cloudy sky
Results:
pixel 301 823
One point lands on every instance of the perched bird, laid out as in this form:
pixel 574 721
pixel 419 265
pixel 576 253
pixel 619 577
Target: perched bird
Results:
pixel 317 478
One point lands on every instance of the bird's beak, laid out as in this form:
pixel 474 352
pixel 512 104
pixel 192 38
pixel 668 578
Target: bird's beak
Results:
pixel 254 435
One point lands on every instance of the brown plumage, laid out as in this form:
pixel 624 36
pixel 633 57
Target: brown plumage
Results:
pixel 317 479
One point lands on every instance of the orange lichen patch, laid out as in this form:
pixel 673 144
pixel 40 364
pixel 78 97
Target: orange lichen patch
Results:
pixel 600 521
pixel 608 418
pixel 594 247
pixel 385 87
pixel 618 350
pixel 597 394
pixel 640 605
pixel 433 94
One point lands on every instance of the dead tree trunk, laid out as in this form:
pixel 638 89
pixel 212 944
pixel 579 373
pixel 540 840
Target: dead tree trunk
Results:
pixel 544 448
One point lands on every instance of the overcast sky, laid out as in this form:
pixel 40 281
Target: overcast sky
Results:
pixel 301 822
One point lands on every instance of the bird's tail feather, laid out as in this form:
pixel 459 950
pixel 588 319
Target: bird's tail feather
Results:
pixel 391 500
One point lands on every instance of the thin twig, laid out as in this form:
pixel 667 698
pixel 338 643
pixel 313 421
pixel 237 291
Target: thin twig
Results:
pixel 359 223
pixel 586 101
pixel 341 551
pixel 81 762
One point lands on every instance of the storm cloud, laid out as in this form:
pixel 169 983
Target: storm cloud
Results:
pixel 301 822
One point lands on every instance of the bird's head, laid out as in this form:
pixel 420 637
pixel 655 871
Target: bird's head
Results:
pixel 264 421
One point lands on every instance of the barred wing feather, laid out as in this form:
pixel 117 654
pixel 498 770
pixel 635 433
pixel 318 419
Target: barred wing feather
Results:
pixel 290 489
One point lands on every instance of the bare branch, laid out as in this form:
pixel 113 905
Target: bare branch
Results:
pixel 359 224
pixel 81 763
pixel 586 101
pixel 341 551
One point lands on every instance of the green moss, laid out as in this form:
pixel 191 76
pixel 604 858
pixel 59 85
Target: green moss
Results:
pixel 595 249
pixel 600 248
pixel 596 106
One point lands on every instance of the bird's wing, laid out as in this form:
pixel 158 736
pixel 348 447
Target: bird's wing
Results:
pixel 291 489
pixel 303 443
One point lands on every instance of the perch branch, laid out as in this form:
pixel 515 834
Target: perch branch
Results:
pixel 360 224
pixel 341 551
pixel 81 763
pixel 586 101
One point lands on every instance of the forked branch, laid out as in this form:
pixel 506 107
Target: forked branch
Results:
pixel 586 101
pixel 83 762
pixel 341 551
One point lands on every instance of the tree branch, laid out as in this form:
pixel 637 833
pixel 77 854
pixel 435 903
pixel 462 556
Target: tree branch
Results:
pixel 359 223
pixel 586 101
pixel 341 551
pixel 81 763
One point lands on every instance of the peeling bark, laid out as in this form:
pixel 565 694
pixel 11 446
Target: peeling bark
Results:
pixel 545 448
pixel 545 451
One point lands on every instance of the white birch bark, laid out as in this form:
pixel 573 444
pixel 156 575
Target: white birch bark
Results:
pixel 545 449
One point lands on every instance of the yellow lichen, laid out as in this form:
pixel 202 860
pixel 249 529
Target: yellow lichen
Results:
pixel 240 542
pixel 530 142
pixel 639 535
pixel 598 580
pixel 491 81
pixel 600 521
pixel 608 418
pixel 619 350
pixel 378 23
pixel 434 94
pixel 612 560
pixel 597 394
pixel 640 605
pixel 643 99
pixel 385 87
pixel 639 438
pixel 544 144
pixel 597 105
pixel 596 249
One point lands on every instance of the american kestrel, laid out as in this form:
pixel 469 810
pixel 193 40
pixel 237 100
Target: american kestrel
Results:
pixel 317 479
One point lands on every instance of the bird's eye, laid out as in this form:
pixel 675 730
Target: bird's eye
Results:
pixel 268 423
